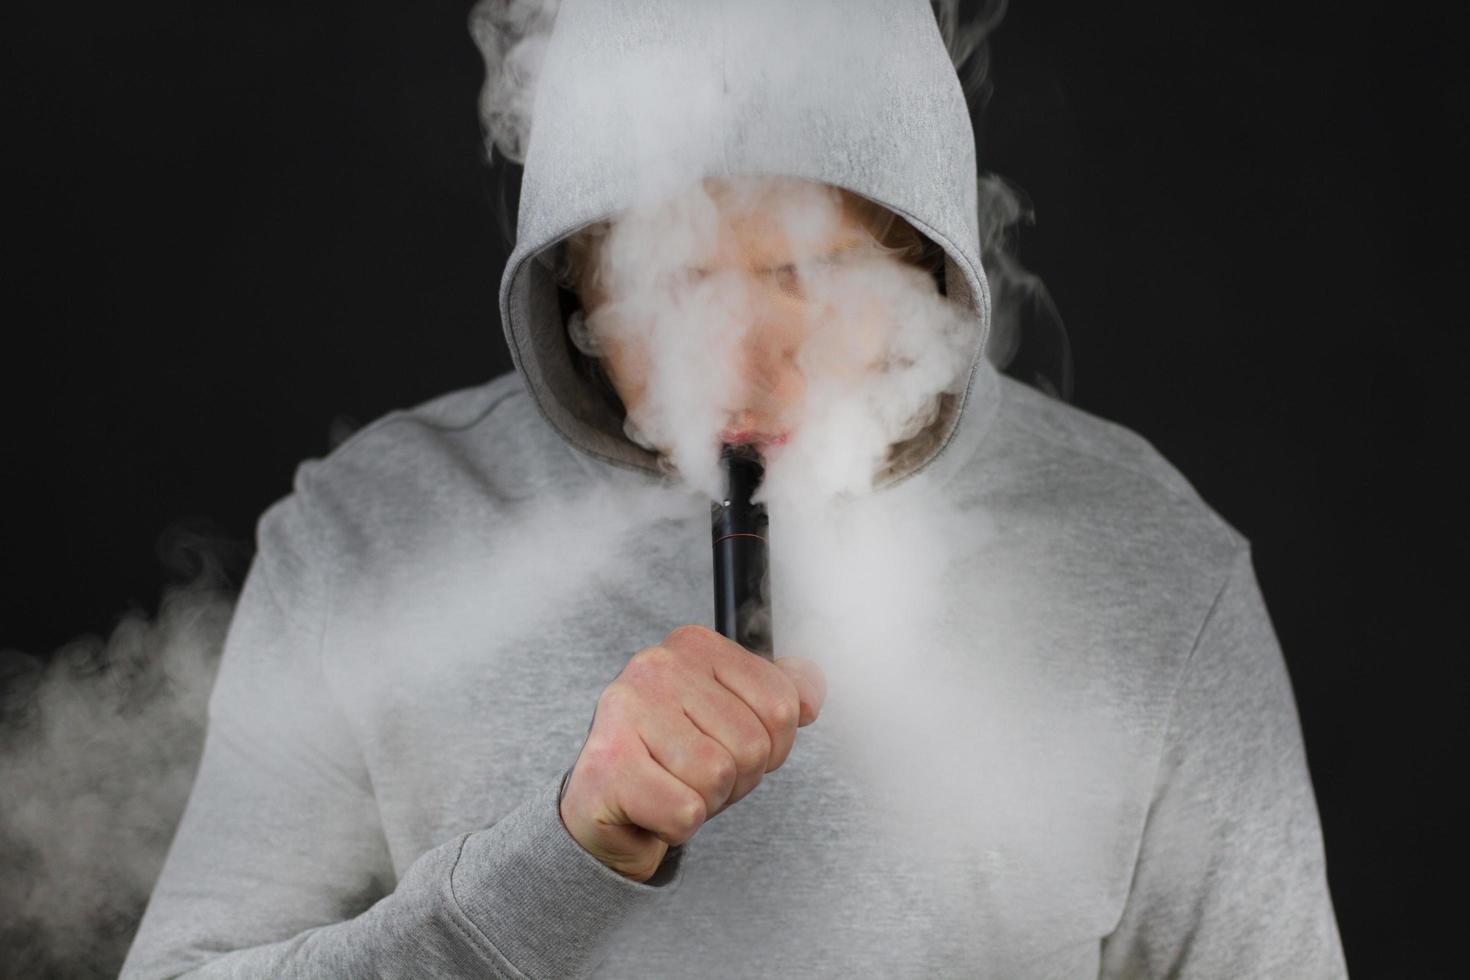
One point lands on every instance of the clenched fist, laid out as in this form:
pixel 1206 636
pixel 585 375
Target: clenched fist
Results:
pixel 689 727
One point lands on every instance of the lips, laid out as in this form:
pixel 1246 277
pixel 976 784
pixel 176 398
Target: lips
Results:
pixel 748 437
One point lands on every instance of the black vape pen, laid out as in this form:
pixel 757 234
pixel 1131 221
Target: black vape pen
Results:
pixel 739 533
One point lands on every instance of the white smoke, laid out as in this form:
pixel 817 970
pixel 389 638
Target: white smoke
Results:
pixel 512 36
pixel 875 345
pixel 680 285
pixel 98 747
pixel 861 578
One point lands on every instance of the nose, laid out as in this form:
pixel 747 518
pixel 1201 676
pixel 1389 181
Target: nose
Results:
pixel 771 382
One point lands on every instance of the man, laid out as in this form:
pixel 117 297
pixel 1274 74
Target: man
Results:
pixel 1059 740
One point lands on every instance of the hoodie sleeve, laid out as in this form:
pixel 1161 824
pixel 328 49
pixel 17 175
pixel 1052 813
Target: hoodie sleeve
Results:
pixel 1230 879
pixel 280 868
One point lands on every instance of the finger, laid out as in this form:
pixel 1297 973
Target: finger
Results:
pixel 811 683
pixel 718 713
pixel 691 756
pixel 655 800
pixel 769 691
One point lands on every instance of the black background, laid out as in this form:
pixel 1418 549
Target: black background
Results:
pixel 233 230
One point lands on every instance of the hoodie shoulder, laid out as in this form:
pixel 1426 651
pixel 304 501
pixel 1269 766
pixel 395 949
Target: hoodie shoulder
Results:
pixel 468 455
pixel 1092 524
pixel 1105 489
pixel 490 427
pixel 460 409
pixel 1095 442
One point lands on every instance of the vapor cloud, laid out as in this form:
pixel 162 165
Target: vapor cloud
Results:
pixel 98 748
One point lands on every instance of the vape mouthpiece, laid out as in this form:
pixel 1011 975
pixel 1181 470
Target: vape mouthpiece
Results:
pixel 739 532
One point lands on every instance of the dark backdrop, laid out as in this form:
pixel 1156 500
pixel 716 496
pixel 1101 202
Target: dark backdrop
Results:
pixel 236 230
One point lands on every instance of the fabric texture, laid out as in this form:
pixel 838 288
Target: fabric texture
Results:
pixel 435 608
pixel 396 711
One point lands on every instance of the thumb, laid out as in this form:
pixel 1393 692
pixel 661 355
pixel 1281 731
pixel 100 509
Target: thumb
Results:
pixel 811 685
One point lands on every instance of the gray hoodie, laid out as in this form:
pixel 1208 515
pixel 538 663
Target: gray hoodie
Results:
pixel 436 606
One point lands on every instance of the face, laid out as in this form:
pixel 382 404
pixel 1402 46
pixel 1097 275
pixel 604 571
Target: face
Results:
pixel 776 272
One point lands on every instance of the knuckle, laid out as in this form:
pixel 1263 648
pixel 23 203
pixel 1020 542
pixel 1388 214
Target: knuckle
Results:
pixel 650 662
pixel 610 695
pixel 602 756
pixel 613 699
pixel 753 753
pixel 721 770
pixel 688 817
pixel 690 635
pixel 784 712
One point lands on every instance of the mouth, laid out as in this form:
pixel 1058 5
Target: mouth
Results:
pixel 748 437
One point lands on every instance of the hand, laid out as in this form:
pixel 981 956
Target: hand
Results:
pixel 689 727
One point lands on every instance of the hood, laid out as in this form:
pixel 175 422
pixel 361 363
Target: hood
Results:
pixel 634 94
